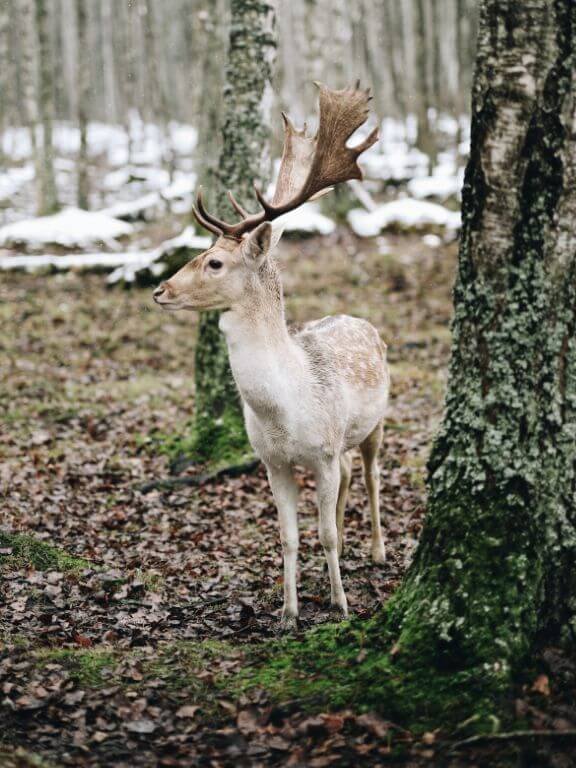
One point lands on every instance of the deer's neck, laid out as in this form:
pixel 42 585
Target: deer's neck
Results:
pixel 263 357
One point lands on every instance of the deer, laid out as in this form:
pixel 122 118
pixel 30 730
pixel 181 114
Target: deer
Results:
pixel 310 394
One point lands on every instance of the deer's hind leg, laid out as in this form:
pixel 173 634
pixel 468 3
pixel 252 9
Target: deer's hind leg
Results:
pixel 369 449
pixel 345 478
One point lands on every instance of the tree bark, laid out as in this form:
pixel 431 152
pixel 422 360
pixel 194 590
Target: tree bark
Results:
pixel 48 202
pixel 219 433
pixel 495 568
pixel 83 86
pixel 425 140
pixel 209 28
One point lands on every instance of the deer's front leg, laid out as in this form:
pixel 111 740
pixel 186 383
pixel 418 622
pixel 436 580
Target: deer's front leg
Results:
pixel 285 490
pixel 327 485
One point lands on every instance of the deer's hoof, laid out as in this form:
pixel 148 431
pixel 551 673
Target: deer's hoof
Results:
pixel 379 555
pixel 288 624
pixel 338 612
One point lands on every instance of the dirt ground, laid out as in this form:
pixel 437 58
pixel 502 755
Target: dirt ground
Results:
pixel 100 660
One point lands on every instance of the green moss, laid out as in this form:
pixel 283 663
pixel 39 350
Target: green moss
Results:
pixel 23 551
pixel 218 443
pixel 85 666
pixel 18 757
pixel 179 665
pixel 340 666
pixel 443 650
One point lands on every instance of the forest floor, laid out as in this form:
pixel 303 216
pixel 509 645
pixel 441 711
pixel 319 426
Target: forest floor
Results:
pixel 119 631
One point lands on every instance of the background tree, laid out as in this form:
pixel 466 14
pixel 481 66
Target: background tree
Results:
pixel 83 95
pixel 219 427
pixel 48 201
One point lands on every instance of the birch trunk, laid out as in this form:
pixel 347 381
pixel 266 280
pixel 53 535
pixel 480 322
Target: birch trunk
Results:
pixel 83 85
pixel 48 201
pixel 219 426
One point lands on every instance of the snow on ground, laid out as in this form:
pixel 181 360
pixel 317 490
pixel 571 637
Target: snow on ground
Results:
pixel 152 260
pixel 71 260
pixel 71 228
pixel 146 208
pixel 307 220
pixel 440 184
pixel 125 264
pixel 406 212
pixel 13 179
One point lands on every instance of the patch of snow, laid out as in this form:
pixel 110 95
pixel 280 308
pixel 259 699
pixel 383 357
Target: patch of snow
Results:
pixel 71 260
pixel 186 239
pixel 183 186
pixel 398 163
pixel 13 179
pixel 184 138
pixel 307 219
pixel 406 212
pixel 438 185
pixel 152 260
pixel 432 241
pixel 71 228
pixel 146 208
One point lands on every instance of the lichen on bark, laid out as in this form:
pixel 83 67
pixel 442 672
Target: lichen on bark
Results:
pixel 218 432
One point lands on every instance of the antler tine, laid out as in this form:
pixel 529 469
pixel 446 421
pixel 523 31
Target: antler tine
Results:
pixel 372 138
pixel 262 200
pixel 205 221
pixel 236 205
pixel 217 223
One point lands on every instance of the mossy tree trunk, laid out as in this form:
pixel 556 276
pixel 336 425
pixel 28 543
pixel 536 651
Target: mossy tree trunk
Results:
pixel 219 434
pixel 495 570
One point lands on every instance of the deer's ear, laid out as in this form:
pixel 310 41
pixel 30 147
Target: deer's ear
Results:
pixel 256 246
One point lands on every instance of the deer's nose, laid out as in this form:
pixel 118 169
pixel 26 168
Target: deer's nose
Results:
pixel 162 289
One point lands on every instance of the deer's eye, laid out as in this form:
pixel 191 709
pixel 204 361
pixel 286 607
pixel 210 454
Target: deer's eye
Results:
pixel 215 264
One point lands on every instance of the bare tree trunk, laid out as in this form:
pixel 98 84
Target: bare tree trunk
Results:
pixel 28 69
pixel 48 199
pixel 5 105
pixel 210 24
pixel 425 139
pixel 219 425
pixel 155 84
pixel 110 89
pixel 82 101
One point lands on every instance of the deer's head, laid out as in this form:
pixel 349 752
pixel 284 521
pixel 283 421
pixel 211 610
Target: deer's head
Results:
pixel 310 167
pixel 219 278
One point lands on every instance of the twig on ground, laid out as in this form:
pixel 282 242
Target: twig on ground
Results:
pixel 234 470
pixel 511 736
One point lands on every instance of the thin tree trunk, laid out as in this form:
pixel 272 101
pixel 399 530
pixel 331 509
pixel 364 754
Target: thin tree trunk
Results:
pixel 210 25
pixel 219 427
pixel 28 69
pixel 82 101
pixel 425 140
pixel 5 96
pixel 155 84
pixel 48 199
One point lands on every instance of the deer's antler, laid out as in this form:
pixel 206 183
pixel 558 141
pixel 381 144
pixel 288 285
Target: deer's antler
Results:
pixel 310 166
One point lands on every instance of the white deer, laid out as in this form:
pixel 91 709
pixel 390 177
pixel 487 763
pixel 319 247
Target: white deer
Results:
pixel 312 394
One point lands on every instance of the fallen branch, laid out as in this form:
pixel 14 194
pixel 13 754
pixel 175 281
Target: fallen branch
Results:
pixel 512 736
pixel 234 470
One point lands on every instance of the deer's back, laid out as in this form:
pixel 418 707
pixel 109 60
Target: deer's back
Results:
pixel 345 348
